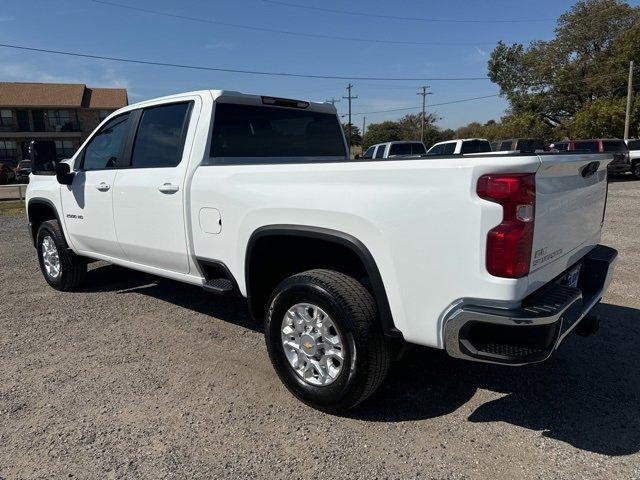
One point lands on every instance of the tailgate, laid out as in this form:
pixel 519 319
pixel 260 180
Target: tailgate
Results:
pixel 571 194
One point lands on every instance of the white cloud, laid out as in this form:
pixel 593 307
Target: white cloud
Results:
pixel 481 52
pixel 25 72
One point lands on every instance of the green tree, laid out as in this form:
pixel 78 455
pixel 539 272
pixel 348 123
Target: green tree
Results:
pixel 411 125
pixel 382 132
pixel 356 137
pixel 604 118
pixel 585 61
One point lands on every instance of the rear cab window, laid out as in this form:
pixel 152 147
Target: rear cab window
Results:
pixel 586 146
pixel 400 149
pixel 418 149
pixel 475 146
pixel 249 134
pixel 530 145
pixel 614 146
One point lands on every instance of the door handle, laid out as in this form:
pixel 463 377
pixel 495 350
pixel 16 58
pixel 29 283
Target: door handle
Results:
pixel 168 188
pixel 103 187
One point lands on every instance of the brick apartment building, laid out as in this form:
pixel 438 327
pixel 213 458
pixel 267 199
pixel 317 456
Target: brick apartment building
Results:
pixel 66 113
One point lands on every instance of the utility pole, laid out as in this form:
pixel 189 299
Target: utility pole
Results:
pixel 333 101
pixel 424 93
pixel 349 97
pixel 629 94
pixel 364 124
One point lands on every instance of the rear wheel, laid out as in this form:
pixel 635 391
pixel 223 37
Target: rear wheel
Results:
pixel 62 269
pixel 635 170
pixel 324 339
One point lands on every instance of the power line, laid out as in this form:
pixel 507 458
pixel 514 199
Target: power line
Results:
pixel 232 70
pixel 462 100
pixel 287 32
pixel 396 17
pixel 402 109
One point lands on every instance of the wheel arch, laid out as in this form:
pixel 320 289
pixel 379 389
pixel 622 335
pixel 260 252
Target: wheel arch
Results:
pixel 341 240
pixel 40 210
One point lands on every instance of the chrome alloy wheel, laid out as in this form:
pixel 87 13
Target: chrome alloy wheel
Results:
pixel 50 257
pixel 312 344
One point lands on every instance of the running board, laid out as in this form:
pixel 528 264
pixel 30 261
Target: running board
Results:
pixel 220 286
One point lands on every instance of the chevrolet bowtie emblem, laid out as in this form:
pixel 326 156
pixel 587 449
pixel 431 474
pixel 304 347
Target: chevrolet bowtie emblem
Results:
pixel 307 345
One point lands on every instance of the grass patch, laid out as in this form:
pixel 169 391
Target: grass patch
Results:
pixel 12 208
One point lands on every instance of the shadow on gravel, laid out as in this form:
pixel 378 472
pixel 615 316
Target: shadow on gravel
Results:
pixel 112 278
pixel 587 394
pixel 622 178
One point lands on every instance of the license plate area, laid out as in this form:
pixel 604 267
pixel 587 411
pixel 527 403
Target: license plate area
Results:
pixel 572 277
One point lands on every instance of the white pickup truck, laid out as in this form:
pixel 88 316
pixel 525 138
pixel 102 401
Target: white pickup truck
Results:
pixel 492 259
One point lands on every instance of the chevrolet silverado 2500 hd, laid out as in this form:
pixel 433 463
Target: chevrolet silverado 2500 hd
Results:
pixel 489 259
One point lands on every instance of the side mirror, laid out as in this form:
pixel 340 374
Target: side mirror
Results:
pixel 43 157
pixel 63 174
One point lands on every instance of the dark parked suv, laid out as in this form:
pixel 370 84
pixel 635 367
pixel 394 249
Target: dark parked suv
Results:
pixel 621 162
pixel 23 170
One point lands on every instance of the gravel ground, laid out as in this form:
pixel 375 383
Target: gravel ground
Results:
pixel 136 377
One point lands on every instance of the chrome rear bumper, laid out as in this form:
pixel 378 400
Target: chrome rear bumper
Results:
pixel 532 332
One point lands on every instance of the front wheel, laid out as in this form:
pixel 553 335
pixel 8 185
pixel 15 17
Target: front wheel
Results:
pixel 325 340
pixel 635 170
pixel 62 269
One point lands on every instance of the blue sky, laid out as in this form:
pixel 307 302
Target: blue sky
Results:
pixel 87 27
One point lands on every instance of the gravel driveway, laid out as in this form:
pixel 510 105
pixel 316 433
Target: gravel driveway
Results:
pixel 138 377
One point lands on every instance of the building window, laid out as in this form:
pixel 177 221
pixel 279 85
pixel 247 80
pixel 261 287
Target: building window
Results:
pixel 8 150
pixel 61 121
pixel 102 114
pixel 6 118
pixel 65 149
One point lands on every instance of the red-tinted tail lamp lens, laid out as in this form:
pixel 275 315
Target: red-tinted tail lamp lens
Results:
pixel 509 244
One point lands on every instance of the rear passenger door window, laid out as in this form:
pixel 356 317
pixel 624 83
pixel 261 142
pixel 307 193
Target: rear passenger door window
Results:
pixel 160 137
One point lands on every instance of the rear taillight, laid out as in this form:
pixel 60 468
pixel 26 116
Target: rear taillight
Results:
pixel 509 244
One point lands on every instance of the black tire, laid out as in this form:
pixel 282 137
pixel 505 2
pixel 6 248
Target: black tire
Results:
pixel 353 311
pixel 72 267
pixel 635 170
